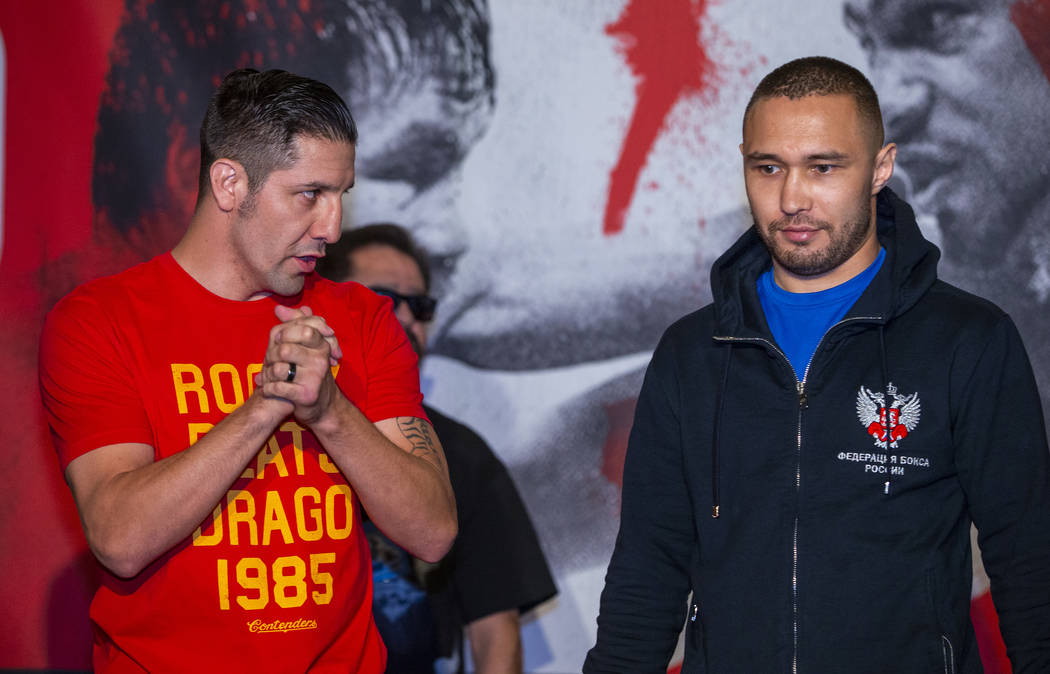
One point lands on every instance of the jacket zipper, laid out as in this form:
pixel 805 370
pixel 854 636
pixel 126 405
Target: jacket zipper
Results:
pixel 803 403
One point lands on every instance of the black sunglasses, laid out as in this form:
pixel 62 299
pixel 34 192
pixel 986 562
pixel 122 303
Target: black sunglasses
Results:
pixel 421 306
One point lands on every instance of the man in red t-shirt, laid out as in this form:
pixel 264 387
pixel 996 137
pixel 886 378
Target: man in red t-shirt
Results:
pixel 221 413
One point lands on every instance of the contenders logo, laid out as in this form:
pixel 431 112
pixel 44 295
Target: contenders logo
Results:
pixel 259 627
pixel 889 423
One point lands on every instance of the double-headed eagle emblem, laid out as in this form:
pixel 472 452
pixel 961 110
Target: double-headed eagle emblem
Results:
pixel 888 424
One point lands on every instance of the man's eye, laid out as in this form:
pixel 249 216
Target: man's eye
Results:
pixel 943 27
pixel 940 20
pixel 310 194
pixel 767 169
pixel 823 168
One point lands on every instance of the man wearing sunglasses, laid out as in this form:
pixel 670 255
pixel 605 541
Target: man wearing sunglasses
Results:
pixel 496 569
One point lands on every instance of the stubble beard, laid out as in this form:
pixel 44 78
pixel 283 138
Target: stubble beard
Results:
pixel 801 259
pixel 275 280
pixel 286 286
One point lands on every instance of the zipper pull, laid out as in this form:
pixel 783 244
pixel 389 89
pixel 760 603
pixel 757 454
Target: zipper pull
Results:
pixel 696 609
pixel 803 401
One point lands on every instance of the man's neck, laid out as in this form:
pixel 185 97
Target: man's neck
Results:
pixel 205 253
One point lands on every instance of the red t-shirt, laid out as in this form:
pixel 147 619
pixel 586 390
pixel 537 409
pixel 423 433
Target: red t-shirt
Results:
pixel 279 577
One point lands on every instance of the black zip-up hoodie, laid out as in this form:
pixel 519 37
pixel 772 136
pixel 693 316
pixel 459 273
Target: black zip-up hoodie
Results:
pixel 817 530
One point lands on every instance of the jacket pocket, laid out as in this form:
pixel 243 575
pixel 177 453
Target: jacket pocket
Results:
pixel 948 653
pixel 695 661
pixel 944 650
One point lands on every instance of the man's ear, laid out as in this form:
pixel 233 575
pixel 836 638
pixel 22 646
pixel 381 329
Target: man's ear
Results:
pixel 229 183
pixel 884 161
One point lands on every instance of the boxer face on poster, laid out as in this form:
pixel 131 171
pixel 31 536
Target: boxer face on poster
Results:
pixel 965 100
pixel 534 286
pixel 421 89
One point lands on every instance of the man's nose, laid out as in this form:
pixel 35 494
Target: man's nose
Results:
pixel 905 91
pixel 404 315
pixel 432 216
pixel 328 226
pixel 795 196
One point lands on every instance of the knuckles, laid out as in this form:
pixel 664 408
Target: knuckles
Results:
pixel 308 342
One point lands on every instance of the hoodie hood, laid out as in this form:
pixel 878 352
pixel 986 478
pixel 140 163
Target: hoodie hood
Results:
pixel 908 272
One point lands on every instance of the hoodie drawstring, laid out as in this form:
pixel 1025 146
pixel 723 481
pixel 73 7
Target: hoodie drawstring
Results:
pixel 722 391
pixel 891 422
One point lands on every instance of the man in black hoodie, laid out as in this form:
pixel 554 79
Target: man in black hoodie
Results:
pixel 809 450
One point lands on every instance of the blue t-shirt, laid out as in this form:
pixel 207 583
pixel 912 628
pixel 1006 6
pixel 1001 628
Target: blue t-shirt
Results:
pixel 799 320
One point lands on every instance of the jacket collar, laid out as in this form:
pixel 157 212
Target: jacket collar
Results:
pixel 908 272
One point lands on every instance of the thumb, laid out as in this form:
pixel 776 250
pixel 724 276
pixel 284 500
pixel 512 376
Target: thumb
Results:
pixel 285 314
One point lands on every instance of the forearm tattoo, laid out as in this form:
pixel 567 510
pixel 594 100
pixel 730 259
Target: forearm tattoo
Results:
pixel 421 437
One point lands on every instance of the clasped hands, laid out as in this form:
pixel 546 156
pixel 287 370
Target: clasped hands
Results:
pixel 310 343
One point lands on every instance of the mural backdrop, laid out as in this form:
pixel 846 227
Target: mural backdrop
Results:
pixel 573 170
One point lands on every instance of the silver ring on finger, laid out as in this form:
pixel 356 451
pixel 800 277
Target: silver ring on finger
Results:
pixel 290 377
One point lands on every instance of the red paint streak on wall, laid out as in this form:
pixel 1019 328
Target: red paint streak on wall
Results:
pixel 1032 18
pixel 660 41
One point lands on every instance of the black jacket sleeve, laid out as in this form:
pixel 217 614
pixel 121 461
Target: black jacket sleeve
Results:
pixel 643 604
pixel 1004 468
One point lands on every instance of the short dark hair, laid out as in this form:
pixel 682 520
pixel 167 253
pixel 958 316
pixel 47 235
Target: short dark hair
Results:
pixel 256 118
pixel 822 76
pixel 336 265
